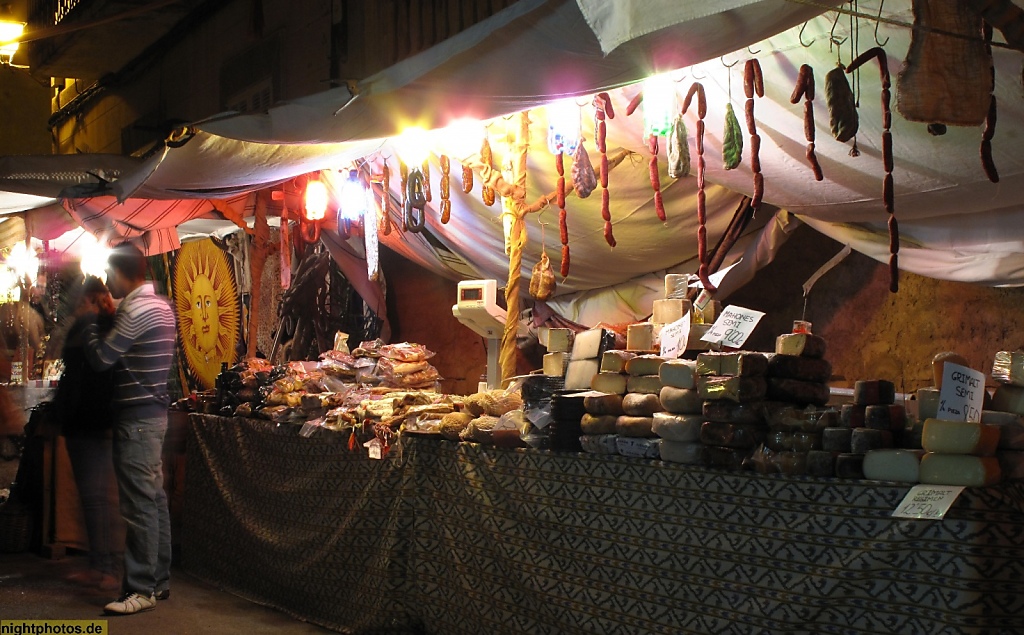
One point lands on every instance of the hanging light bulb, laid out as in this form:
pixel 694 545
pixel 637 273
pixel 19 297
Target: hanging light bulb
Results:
pixel 24 261
pixel 462 138
pixel 315 199
pixel 659 104
pixel 413 146
pixel 93 256
pixel 353 197
pixel 563 126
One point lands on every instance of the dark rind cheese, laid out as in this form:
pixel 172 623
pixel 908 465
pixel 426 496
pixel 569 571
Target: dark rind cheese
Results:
pixel 863 440
pixel 726 458
pixel 836 439
pixel 1011 464
pixel 910 438
pixel 635 426
pixel 731 364
pixel 737 389
pixel 599 443
pixel 603 404
pixel 798 392
pixel 850 466
pixel 781 441
pixel 731 435
pixel 852 416
pixel 788 417
pixel 801 344
pixel 681 401
pixel 641 405
pixel 598 424
pixel 821 463
pixel 639 448
pixel 890 417
pixel 813 369
pixel 732 412
pixel 874 391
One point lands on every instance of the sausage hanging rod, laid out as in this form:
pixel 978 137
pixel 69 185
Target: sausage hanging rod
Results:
pixel 894 22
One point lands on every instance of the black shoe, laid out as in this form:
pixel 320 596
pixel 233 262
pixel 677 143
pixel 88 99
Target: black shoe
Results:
pixel 162 595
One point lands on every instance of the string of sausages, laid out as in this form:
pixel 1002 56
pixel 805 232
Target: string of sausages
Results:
pixel 446 203
pixel 702 212
pixel 753 84
pixel 385 203
pixel 426 180
pixel 805 89
pixel 659 205
pixel 563 228
pixel 403 173
pixel 987 162
pixel 604 110
pixel 467 179
pixel 888 196
pixel 487 193
pixel 415 201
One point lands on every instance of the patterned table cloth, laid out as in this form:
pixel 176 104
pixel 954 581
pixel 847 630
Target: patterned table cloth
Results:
pixel 450 538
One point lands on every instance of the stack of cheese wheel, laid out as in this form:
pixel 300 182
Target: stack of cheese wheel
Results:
pixel 612 376
pixel 585 360
pixel 794 431
pixel 635 427
pixel 1006 410
pixel 598 424
pixel 678 426
pixel 797 377
pixel 959 453
pixel 732 385
pixel 856 437
pixel 927 399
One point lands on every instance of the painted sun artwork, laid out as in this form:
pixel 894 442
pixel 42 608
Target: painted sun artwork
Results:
pixel 207 306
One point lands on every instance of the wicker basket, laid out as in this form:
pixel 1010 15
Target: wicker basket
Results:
pixel 15 527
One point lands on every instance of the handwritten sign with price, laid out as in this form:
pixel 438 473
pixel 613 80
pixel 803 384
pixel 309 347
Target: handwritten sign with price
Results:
pixel 962 394
pixel 675 336
pixel 927 502
pixel 733 327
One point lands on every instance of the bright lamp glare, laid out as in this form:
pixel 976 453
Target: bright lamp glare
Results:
pixel 659 104
pixel 316 200
pixel 563 126
pixel 353 197
pixel 462 138
pixel 93 256
pixel 413 146
pixel 23 261
pixel 10 31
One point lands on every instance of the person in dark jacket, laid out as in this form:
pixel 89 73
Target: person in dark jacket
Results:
pixel 83 404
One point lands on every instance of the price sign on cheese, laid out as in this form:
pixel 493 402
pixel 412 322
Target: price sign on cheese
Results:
pixel 733 327
pixel 927 502
pixel 674 337
pixel 962 394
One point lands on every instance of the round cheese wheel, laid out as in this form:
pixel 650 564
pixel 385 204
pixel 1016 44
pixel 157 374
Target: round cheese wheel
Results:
pixel 603 404
pixel 682 401
pixel 628 426
pixel 681 428
pixel 598 424
pixel 641 405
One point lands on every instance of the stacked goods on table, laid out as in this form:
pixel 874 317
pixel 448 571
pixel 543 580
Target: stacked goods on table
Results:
pixel 480 416
pixel 679 424
pixel 585 361
pixel 732 386
pixel 559 343
pixel 871 422
pixel 1006 410
pixel 597 426
pixel 537 391
pixel 635 426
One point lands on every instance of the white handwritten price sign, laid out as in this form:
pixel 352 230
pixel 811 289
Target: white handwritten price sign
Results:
pixel 733 327
pixel 675 337
pixel 927 502
pixel 963 390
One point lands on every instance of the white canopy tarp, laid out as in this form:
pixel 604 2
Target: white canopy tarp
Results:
pixel 954 223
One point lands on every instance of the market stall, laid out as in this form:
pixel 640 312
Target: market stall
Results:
pixel 464 538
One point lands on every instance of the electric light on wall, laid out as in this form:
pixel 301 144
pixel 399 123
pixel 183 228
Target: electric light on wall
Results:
pixel 93 258
pixel 563 126
pixel 314 207
pixel 660 105
pixel 9 33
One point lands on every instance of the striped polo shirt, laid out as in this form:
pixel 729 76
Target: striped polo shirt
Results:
pixel 143 340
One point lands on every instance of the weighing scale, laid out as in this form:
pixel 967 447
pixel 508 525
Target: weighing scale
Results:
pixel 478 309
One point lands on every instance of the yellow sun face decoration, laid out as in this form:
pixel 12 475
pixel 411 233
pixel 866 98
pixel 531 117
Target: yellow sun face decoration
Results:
pixel 206 302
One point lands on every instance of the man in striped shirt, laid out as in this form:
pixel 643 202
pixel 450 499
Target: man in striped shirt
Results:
pixel 140 348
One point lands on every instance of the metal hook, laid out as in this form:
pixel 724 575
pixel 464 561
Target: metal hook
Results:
pixel 877 22
pixel 693 74
pixel 752 51
pixel 722 59
pixel 833 40
pixel 801 37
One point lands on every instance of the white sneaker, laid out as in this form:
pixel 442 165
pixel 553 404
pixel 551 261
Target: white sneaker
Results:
pixel 131 603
